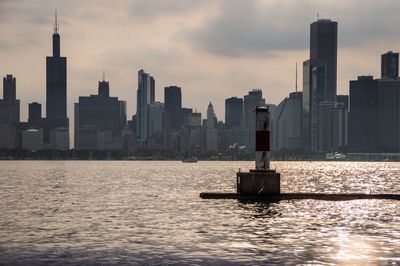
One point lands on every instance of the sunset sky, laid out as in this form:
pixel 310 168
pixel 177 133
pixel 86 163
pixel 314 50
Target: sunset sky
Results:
pixel 212 49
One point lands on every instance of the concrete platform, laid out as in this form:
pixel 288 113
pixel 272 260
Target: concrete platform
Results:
pixel 299 196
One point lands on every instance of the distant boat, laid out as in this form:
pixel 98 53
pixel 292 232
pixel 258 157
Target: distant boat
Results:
pixel 190 160
pixel 335 156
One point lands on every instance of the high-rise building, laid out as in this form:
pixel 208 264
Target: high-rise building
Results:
pixel 56 81
pixel 388 116
pixel 100 117
pixel 211 131
pixel 9 88
pixel 343 99
pixel 233 112
pixel 9 106
pixel 314 92
pixel 390 65
pixel 326 127
pixel 9 114
pixel 323 46
pixel 286 124
pixel 173 106
pixel 363 114
pixel 145 96
pixel 35 113
pixel 250 102
pixel 156 111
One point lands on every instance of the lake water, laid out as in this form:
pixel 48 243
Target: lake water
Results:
pixel 149 212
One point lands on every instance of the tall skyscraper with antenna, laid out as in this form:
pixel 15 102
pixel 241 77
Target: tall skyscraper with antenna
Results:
pixel 56 80
pixel 56 127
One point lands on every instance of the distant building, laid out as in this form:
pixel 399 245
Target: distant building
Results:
pixel 100 117
pixel 343 99
pixel 173 106
pixel 390 65
pixel 156 112
pixel 388 117
pixel 60 137
pixel 314 92
pixel 286 124
pixel 56 92
pixel 32 139
pixel 35 113
pixel 363 114
pixel 233 112
pixel 250 102
pixel 211 131
pixel 323 47
pixel 326 127
pixel 145 96
pixel 9 114
pixel 341 127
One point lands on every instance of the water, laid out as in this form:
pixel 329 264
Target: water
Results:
pixel 119 212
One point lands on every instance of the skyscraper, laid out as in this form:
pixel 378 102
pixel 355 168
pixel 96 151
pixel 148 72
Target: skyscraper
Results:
pixel 323 46
pixel 314 92
pixel 56 96
pixel 145 96
pixel 100 117
pixel 9 88
pixel 286 124
pixel 211 131
pixel 388 106
pixel 35 113
pixel 56 81
pixel 363 114
pixel 173 106
pixel 9 113
pixel 250 102
pixel 390 65
pixel 233 112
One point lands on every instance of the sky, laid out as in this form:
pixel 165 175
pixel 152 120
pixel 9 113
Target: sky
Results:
pixel 212 49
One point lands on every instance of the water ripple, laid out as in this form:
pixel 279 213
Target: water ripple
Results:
pixel 88 212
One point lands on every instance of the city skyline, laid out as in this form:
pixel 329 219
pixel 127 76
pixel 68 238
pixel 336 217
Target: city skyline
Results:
pixel 247 69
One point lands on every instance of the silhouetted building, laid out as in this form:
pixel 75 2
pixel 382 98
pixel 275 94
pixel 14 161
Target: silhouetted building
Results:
pixel 104 88
pixel 35 113
pixel 145 96
pixel 173 106
pixel 286 124
pixel 32 139
pixel 9 114
pixel 343 99
pixel 326 127
pixel 363 114
pixel 156 112
pixel 9 88
pixel 341 127
pixel 250 102
pixel 390 65
pixel 233 112
pixel 323 46
pixel 211 131
pixel 99 117
pixel 314 92
pixel 56 93
pixel 388 115
pixel 56 81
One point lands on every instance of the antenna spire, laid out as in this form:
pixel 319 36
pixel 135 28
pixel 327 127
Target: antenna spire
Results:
pixel 104 76
pixel 296 76
pixel 317 16
pixel 55 22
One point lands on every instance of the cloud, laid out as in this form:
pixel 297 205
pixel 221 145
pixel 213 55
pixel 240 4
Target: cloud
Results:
pixel 258 28
pixel 155 8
